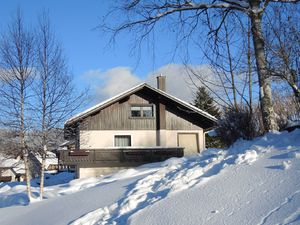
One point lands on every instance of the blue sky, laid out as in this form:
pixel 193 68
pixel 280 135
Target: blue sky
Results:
pixel 90 58
pixel 74 22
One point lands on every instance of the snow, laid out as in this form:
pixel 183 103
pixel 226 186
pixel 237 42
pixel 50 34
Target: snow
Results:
pixel 286 164
pixel 253 182
pixel 292 123
pixel 16 164
pixel 212 133
pixel 51 159
pixel 248 157
pixel 7 162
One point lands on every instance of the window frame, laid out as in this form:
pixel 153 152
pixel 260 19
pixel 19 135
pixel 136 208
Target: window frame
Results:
pixel 141 111
pixel 122 135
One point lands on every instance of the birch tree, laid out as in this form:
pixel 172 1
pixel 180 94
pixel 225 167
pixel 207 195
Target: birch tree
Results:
pixel 56 96
pixel 185 16
pixel 16 77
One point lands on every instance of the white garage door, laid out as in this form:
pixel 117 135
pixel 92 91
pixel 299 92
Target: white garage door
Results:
pixel 190 143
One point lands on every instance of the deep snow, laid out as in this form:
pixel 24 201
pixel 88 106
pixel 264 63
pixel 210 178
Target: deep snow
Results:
pixel 253 182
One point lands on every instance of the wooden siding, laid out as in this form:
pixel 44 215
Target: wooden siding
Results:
pixel 118 117
pixel 177 122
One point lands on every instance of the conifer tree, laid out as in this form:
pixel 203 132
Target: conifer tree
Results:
pixel 205 102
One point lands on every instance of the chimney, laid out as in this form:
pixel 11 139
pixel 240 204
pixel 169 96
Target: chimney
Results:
pixel 161 123
pixel 161 82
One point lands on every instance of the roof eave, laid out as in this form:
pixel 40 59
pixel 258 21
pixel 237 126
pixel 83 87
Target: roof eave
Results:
pixel 112 100
pixel 103 104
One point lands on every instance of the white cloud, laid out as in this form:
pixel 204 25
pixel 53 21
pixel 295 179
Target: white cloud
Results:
pixel 111 82
pixel 117 80
pixel 178 81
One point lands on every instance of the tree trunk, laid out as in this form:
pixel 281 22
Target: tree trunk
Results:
pixel 27 174
pixel 249 68
pixel 23 146
pixel 265 92
pixel 42 174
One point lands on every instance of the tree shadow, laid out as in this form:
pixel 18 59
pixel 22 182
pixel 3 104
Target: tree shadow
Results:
pixel 278 167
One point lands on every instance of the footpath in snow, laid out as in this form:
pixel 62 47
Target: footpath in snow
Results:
pixel 253 182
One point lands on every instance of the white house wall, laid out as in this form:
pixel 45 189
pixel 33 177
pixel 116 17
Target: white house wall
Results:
pixel 94 139
pixel 105 138
pixel 96 171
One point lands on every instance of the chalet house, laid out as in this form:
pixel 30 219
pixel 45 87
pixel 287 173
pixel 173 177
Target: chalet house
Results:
pixel 51 162
pixel 142 124
pixel 11 169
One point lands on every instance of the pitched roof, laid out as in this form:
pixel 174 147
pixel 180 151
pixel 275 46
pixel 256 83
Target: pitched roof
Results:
pixel 16 165
pixel 130 91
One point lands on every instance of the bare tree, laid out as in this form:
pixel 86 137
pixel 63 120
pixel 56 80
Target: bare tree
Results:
pixel 231 63
pixel 56 95
pixel 283 45
pixel 16 76
pixel 9 143
pixel 185 16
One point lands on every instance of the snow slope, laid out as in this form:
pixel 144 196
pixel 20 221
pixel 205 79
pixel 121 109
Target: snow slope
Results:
pixel 253 182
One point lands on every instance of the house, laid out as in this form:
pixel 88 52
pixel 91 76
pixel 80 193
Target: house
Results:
pixel 142 124
pixel 11 169
pixel 51 162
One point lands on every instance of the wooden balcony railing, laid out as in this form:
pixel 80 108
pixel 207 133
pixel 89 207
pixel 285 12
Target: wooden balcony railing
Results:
pixel 119 155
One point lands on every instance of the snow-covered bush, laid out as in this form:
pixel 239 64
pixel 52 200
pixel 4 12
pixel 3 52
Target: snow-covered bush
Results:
pixel 286 108
pixel 241 123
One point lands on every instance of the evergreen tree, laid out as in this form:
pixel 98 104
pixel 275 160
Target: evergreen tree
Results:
pixel 205 102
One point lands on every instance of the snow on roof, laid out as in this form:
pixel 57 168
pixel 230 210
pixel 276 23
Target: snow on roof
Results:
pixel 212 133
pixel 64 143
pixel 132 90
pixel 101 104
pixel 4 162
pixel 51 159
pixel 15 164
pixel 292 123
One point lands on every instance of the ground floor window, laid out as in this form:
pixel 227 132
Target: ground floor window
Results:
pixel 122 140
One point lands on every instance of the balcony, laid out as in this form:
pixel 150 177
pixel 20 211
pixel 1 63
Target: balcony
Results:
pixel 129 156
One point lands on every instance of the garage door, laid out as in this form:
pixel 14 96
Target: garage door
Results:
pixel 190 143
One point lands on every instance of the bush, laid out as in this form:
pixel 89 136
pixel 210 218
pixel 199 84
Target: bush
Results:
pixel 241 123
pixel 286 109
pixel 214 142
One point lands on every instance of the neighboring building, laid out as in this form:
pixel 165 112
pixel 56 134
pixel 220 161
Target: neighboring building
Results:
pixel 11 169
pixel 51 162
pixel 142 124
pixel 14 169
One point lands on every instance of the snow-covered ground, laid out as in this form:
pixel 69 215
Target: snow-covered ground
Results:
pixel 253 182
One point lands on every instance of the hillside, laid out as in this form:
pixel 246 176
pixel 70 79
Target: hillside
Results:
pixel 253 182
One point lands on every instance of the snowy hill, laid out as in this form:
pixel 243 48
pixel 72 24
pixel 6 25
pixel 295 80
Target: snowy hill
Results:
pixel 253 182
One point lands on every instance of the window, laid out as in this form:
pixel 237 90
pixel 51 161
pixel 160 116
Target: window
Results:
pixel 146 111
pixel 136 111
pixel 122 140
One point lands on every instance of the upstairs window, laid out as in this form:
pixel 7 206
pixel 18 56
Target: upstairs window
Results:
pixel 146 111
pixel 136 111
